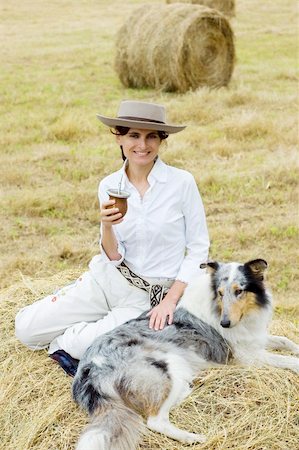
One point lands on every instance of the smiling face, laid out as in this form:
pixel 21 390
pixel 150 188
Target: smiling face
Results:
pixel 140 147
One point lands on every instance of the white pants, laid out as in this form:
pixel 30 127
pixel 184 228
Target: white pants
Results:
pixel 70 319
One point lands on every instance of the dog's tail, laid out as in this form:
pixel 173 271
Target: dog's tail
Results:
pixel 116 428
pixel 113 425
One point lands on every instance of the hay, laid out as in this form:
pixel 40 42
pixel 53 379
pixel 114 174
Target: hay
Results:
pixel 237 408
pixel 175 48
pixel 227 7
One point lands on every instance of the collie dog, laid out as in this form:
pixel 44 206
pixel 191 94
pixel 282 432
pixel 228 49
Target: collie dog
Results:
pixel 134 372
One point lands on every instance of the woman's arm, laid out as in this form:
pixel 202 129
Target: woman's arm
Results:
pixel 197 247
pixel 112 248
pixel 196 232
pixel 109 217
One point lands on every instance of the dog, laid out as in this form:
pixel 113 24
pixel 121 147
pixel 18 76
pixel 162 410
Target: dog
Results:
pixel 134 372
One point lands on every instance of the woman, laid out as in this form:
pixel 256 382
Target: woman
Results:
pixel 157 246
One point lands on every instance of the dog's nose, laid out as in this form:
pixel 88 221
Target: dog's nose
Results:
pixel 225 323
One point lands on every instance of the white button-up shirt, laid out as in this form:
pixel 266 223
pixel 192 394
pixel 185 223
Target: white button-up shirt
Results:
pixel 164 233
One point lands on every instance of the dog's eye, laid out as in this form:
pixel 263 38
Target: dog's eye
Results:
pixel 238 292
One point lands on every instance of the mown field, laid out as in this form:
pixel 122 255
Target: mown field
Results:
pixel 240 144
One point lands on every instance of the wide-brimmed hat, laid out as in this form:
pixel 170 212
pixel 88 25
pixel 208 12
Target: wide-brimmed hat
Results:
pixel 146 116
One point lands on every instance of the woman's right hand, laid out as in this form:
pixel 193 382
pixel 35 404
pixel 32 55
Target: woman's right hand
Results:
pixel 110 216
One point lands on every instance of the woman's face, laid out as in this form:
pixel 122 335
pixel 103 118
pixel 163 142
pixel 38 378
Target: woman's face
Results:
pixel 140 147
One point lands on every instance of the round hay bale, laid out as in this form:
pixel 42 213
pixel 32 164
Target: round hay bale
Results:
pixel 175 48
pixel 227 7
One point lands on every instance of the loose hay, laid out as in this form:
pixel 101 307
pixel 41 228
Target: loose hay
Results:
pixel 238 408
pixel 227 7
pixel 175 48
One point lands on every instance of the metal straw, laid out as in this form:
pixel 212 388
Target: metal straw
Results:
pixel 119 184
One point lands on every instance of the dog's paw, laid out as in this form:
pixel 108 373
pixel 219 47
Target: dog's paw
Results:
pixel 293 365
pixel 296 368
pixel 295 349
pixel 194 437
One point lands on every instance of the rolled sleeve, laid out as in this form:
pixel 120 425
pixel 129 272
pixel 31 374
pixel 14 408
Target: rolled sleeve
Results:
pixel 197 237
pixel 121 250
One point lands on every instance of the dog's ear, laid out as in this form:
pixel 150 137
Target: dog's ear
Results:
pixel 257 267
pixel 211 266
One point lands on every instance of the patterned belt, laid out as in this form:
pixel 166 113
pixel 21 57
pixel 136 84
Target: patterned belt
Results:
pixel 156 291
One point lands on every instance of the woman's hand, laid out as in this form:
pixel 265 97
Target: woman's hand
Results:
pixel 162 313
pixel 110 216
pixel 159 314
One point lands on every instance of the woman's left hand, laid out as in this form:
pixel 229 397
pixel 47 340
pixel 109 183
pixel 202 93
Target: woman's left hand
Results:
pixel 159 314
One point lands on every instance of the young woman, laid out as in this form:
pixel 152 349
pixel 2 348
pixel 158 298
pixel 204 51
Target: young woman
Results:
pixel 147 256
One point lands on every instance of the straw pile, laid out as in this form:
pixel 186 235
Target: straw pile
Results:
pixel 227 7
pixel 175 48
pixel 237 408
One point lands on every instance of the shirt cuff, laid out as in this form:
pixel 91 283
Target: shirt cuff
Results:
pixel 116 262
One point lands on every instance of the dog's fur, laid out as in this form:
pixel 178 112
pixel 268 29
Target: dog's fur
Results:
pixel 133 371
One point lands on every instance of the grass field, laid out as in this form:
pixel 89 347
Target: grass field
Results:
pixel 240 144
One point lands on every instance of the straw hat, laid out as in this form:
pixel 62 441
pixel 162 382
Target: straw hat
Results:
pixel 142 115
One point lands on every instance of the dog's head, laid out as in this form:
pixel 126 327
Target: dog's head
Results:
pixel 239 289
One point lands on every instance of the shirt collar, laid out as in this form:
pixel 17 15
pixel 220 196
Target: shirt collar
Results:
pixel 158 173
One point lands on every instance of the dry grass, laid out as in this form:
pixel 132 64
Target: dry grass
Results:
pixel 240 144
pixel 175 47
pixel 227 7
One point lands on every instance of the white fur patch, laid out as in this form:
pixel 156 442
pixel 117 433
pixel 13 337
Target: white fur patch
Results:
pixel 178 368
pixel 197 297
pixel 233 271
pixel 98 360
pixel 92 440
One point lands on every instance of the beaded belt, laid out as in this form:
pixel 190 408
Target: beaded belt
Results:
pixel 156 291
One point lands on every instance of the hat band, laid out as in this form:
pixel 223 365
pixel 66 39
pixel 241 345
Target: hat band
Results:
pixel 140 119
